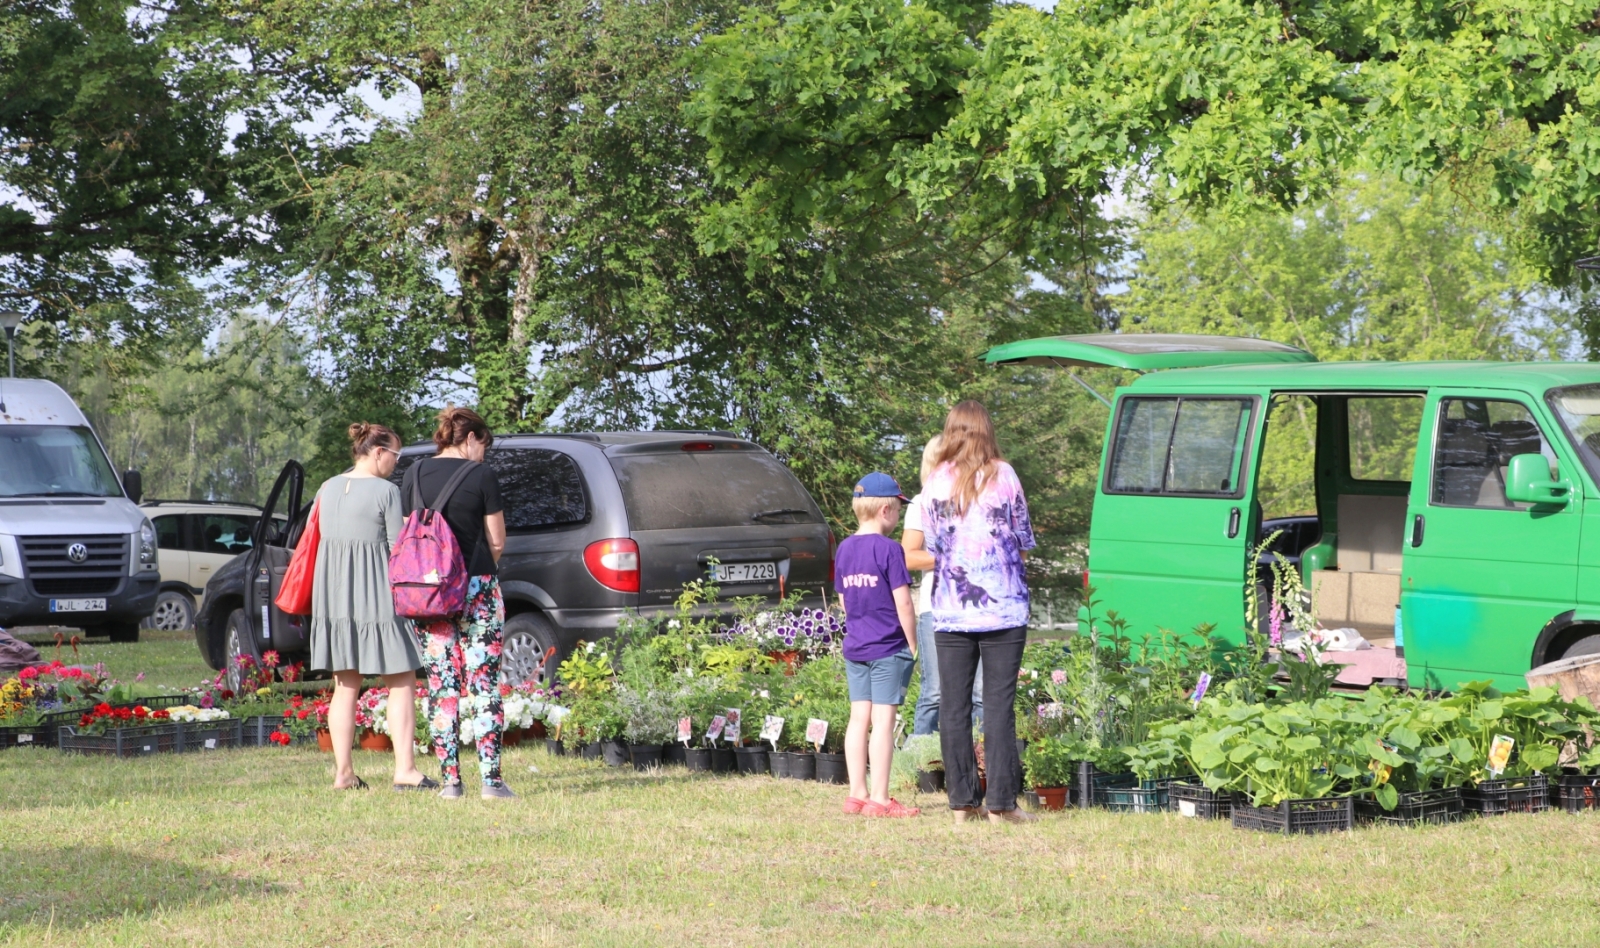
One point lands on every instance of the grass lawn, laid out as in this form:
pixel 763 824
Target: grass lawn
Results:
pixel 170 661
pixel 251 843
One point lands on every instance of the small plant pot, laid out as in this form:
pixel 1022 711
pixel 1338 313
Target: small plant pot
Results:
pixel 789 659
pixel 802 766
pixel 1052 798
pixel 1031 798
pixel 831 769
pixel 554 747
pixel 373 741
pixel 779 761
pixel 590 751
pixel 697 759
pixel 644 756
pixel 324 740
pixel 723 760
pixel 614 752
pixel 673 753
pixel 752 760
pixel 930 781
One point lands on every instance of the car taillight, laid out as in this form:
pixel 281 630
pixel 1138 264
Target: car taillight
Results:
pixel 700 446
pixel 614 564
pixel 832 545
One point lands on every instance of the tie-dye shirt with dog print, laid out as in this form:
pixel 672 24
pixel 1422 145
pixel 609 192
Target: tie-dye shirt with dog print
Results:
pixel 978 579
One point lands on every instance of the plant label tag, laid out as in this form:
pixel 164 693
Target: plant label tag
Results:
pixel 1200 687
pixel 816 732
pixel 772 729
pixel 24 738
pixel 730 730
pixel 685 730
pixel 1500 754
pixel 1187 808
pixel 211 743
pixel 715 730
pixel 148 748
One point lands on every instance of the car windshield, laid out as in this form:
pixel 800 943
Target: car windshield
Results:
pixel 1578 407
pixel 722 488
pixel 54 461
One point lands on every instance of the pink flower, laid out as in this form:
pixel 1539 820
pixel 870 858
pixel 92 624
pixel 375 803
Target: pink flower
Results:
pixel 28 674
pixel 1275 624
pixel 1058 676
pixel 139 677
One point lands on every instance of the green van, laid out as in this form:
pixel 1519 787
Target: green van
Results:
pixel 1447 511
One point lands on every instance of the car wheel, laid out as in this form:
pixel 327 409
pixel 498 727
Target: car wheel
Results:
pixel 174 612
pixel 234 638
pixel 1588 645
pixel 529 653
pixel 123 633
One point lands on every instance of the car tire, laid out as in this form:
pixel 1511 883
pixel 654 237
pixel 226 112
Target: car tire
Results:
pixel 236 639
pixel 122 633
pixel 1584 644
pixel 174 612
pixel 530 651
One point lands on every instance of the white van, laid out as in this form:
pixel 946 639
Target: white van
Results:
pixel 75 549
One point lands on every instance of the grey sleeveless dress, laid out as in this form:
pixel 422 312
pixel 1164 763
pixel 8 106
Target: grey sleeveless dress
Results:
pixel 353 625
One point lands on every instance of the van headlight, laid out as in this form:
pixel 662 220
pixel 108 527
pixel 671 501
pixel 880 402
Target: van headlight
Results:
pixel 147 545
pixel 10 557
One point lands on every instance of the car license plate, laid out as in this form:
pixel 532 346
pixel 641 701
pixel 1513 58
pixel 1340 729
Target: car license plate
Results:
pixel 745 572
pixel 77 605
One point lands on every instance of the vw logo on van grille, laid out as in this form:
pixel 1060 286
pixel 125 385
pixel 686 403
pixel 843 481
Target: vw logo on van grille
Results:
pixel 77 552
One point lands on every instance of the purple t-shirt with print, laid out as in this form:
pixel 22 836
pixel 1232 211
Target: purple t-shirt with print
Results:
pixel 867 569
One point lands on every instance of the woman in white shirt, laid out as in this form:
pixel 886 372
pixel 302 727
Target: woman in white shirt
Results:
pixel 926 717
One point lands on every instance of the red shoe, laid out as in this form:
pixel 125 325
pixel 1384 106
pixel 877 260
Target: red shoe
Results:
pixel 852 806
pixel 894 808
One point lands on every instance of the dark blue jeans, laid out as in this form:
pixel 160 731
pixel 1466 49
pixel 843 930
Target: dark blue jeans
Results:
pixel 1001 654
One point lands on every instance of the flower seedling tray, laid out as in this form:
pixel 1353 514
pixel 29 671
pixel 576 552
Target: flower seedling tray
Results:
pixel 258 727
pixel 1198 801
pixel 1150 796
pixel 201 736
pixel 1325 815
pixel 34 735
pixel 1578 792
pixel 123 741
pixel 1092 785
pixel 1508 795
pixel 1419 808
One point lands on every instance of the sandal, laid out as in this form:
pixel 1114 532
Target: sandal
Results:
pixel 426 783
pixel 358 785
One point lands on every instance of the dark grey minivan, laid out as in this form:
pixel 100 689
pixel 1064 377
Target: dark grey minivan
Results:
pixel 597 524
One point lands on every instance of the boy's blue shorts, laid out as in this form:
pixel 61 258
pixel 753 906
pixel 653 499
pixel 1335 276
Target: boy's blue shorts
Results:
pixel 882 680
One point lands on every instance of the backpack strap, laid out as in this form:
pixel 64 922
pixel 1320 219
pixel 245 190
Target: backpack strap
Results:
pixel 449 486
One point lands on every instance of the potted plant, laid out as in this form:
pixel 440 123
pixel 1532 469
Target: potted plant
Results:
pixel 925 760
pixel 1049 766
pixel 372 720
pixel 646 708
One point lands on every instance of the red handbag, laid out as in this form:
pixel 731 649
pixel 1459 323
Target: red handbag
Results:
pixel 294 596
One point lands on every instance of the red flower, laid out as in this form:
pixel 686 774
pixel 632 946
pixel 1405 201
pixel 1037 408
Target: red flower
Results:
pixel 160 715
pixel 28 674
pixel 303 713
pixel 280 738
pixel 141 711
pixel 505 690
pixel 227 695
pixel 269 658
pixel 86 720
pixel 102 708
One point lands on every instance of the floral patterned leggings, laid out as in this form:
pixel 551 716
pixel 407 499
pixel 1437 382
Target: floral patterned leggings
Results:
pixel 463 655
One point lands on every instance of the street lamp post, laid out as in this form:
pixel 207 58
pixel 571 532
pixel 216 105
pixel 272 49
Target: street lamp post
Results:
pixel 9 321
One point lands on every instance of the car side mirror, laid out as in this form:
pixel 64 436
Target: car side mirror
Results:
pixel 133 485
pixel 1528 482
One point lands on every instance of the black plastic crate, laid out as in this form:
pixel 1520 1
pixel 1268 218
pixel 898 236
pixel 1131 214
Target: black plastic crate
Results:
pixel 201 736
pixel 36 735
pixel 256 729
pixel 157 702
pixel 1149 796
pixel 1507 795
pixel 1091 785
pixel 1325 815
pixel 1194 799
pixel 1440 805
pixel 1578 792
pixel 123 741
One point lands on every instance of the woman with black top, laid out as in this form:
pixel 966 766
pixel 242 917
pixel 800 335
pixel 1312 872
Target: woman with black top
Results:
pixel 462 653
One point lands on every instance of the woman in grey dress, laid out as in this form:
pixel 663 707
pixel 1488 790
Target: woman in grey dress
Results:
pixel 354 631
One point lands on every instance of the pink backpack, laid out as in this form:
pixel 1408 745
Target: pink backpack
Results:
pixel 426 570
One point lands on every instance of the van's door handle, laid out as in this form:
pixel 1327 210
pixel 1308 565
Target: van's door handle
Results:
pixel 1233 523
pixel 1417 525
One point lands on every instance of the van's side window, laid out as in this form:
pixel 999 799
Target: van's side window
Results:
pixel 542 488
pixel 1475 441
pixel 1383 436
pixel 1179 446
pixel 169 532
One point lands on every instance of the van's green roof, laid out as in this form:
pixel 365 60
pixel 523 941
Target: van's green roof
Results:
pixel 1533 377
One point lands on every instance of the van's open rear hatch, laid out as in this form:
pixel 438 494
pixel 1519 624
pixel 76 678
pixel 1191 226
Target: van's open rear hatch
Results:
pixel 1143 352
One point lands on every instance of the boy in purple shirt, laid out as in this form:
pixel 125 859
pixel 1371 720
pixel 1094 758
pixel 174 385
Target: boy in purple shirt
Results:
pixel 880 642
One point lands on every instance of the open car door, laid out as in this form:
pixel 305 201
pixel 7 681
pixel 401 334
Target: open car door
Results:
pixel 282 520
pixel 1144 352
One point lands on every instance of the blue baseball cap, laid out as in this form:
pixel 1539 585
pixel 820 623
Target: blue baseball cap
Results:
pixel 878 484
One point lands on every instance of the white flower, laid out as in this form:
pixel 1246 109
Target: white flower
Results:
pixel 764 693
pixel 588 649
pixel 673 624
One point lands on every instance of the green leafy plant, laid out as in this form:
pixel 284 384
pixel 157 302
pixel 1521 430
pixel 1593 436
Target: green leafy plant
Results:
pixel 1051 762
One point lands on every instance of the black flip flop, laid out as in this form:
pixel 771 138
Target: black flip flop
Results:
pixel 427 783
pixel 358 785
